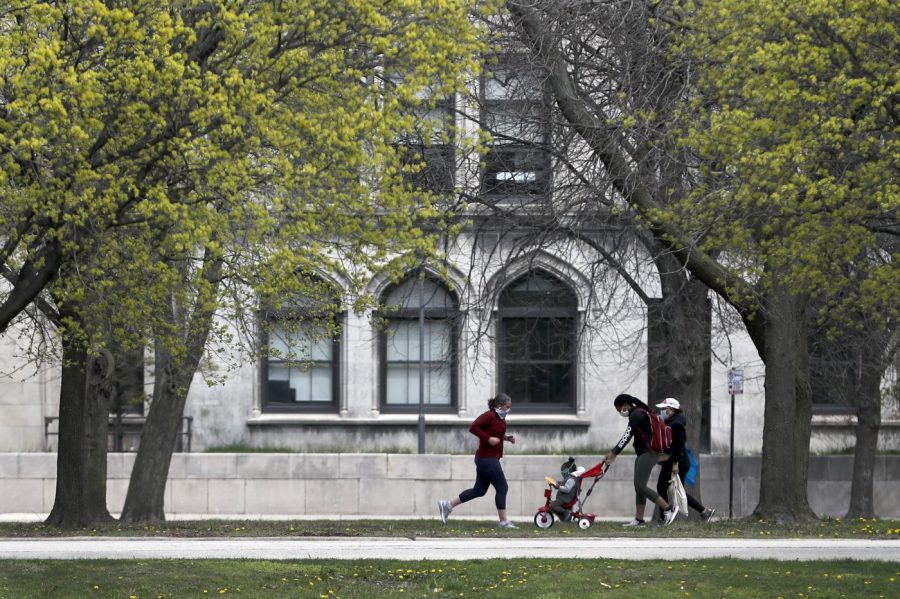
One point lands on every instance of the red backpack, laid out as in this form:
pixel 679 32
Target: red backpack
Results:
pixel 660 433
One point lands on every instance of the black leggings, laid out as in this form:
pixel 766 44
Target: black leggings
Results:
pixel 665 475
pixel 487 472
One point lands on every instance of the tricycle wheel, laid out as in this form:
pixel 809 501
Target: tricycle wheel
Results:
pixel 584 523
pixel 543 519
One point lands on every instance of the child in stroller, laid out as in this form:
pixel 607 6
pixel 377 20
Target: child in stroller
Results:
pixel 567 505
pixel 566 490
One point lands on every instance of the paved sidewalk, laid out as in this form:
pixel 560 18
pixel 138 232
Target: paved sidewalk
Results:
pixel 447 548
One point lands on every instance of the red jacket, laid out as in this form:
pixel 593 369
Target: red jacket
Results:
pixel 484 427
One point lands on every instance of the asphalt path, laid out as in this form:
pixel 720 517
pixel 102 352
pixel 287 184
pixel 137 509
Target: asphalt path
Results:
pixel 298 548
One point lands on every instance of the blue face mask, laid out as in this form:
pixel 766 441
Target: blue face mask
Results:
pixel 501 413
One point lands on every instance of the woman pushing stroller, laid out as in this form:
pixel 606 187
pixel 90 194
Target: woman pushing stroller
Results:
pixel 639 428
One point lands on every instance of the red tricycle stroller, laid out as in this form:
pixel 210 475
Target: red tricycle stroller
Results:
pixel 544 518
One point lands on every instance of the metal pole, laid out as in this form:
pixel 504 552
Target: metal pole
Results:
pixel 421 364
pixel 731 465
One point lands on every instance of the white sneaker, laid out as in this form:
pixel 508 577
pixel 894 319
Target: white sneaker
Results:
pixel 506 524
pixel 708 513
pixel 634 522
pixel 444 509
pixel 671 513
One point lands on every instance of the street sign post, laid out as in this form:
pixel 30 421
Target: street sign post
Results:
pixel 735 387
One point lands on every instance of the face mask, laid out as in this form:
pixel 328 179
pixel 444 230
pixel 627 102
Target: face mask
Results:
pixel 624 413
pixel 502 413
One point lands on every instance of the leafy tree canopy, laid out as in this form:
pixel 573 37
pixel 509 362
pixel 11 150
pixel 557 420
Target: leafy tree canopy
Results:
pixel 141 141
pixel 796 122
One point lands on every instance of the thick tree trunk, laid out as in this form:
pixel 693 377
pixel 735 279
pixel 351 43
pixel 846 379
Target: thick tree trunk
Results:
pixel 868 423
pixel 83 421
pixel 788 413
pixel 145 500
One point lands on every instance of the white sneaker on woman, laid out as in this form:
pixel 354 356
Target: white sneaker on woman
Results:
pixel 671 513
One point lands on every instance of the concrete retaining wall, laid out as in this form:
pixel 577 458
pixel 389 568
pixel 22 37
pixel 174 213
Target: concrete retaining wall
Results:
pixel 407 484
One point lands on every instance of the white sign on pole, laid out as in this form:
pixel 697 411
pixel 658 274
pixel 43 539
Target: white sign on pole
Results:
pixel 736 381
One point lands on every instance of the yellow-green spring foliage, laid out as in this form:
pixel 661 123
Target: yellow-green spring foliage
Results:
pixel 796 124
pixel 144 139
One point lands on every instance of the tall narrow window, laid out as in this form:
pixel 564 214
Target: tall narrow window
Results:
pixel 515 111
pixel 427 149
pixel 400 346
pixel 536 342
pixel 300 372
pixel 128 382
pixel 836 368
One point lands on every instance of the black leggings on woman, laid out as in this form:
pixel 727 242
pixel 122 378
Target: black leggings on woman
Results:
pixel 487 472
pixel 665 475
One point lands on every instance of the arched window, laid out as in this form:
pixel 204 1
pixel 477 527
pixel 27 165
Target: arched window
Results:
pixel 301 369
pixel 536 343
pixel 400 347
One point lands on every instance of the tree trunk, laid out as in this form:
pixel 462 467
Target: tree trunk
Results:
pixel 145 500
pixel 868 423
pixel 788 413
pixel 83 422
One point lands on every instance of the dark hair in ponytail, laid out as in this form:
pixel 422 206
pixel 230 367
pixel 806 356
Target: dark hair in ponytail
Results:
pixel 498 400
pixel 624 398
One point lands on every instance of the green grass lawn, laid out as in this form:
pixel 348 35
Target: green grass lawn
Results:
pixel 830 528
pixel 522 579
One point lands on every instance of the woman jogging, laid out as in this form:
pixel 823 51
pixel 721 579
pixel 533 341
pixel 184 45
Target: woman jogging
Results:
pixel 678 462
pixel 490 428
pixel 638 414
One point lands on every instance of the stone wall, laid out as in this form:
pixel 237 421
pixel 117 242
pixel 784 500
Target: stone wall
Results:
pixel 407 485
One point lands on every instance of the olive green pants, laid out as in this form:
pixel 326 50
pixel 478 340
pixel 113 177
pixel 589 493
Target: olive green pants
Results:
pixel 642 468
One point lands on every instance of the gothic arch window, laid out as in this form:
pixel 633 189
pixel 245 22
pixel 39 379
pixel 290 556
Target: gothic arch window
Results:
pixel 300 370
pixel 399 346
pixel 536 343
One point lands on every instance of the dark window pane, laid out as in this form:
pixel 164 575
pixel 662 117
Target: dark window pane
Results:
pixel 834 373
pixel 538 338
pixel 536 343
pixel 531 383
pixel 128 382
pixel 538 290
pixel 436 167
pixel 516 171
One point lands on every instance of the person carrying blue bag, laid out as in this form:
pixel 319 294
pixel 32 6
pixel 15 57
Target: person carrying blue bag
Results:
pixel 690 479
pixel 678 462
